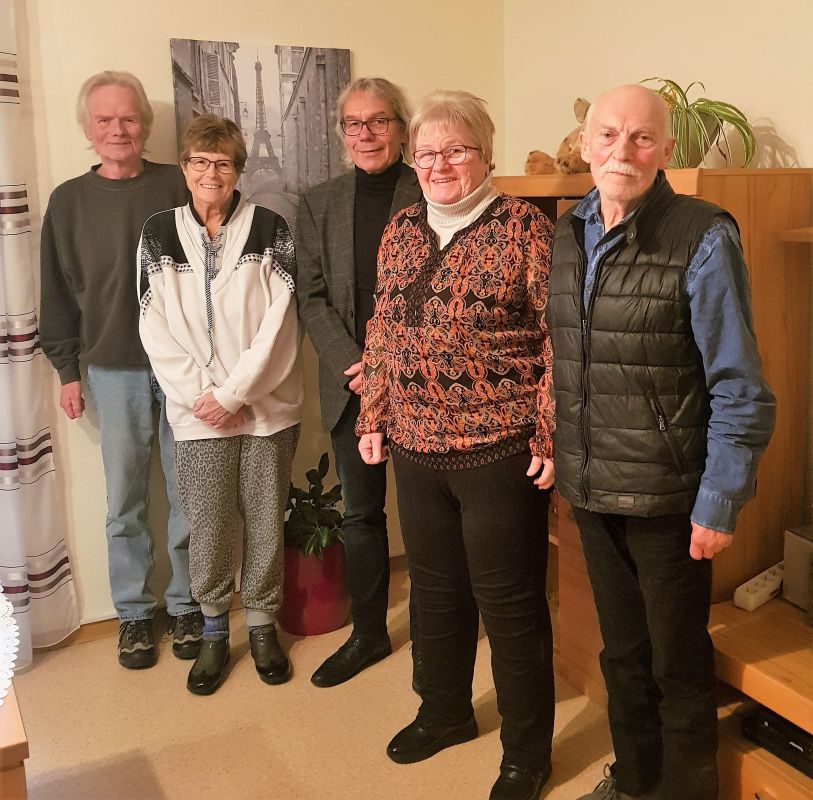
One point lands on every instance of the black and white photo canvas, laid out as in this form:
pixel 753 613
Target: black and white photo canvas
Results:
pixel 282 99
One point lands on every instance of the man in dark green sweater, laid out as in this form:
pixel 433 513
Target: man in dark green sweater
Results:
pixel 89 317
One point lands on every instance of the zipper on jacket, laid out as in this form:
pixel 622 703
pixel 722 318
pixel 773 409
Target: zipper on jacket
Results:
pixel 584 477
pixel 663 426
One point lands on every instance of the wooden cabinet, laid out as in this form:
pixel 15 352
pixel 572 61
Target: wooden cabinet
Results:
pixel 767 655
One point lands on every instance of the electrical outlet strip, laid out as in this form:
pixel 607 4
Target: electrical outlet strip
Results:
pixel 756 592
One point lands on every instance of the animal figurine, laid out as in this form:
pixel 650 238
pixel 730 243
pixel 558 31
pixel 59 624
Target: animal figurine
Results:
pixel 568 158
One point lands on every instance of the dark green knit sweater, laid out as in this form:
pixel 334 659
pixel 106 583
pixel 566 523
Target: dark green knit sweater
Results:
pixel 89 301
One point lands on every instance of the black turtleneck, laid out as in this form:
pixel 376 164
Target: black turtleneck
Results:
pixel 374 194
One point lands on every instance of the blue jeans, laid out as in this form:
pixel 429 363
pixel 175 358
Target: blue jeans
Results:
pixel 124 400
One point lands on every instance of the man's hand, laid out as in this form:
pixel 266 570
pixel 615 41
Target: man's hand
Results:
pixel 544 480
pixel 372 448
pixel 354 373
pixel 71 400
pixel 208 410
pixel 706 542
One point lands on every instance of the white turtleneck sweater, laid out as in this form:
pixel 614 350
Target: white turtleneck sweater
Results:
pixel 446 220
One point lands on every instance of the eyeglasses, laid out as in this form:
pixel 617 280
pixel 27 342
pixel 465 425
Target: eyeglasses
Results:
pixel 454 154
pixel 376 126
pixel 201 164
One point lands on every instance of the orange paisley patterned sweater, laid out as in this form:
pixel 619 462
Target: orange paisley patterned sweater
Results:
pixel 457 362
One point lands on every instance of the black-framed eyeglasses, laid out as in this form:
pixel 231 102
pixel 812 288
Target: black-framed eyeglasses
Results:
pixel 376 125
pixel 201 164
pixel 453 154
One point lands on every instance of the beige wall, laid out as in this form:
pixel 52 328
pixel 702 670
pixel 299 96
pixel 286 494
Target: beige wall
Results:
pixel 62 43
pixel 757 56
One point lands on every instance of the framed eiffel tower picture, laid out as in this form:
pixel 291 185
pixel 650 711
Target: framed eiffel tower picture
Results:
pixel 281 97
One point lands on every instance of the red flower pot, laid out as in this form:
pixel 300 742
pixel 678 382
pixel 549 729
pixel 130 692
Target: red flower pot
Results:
pixel 314 592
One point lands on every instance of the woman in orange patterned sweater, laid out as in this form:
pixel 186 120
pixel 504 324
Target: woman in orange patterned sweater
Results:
pixel 457 387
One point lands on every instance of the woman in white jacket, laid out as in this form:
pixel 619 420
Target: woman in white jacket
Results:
pixel 218 321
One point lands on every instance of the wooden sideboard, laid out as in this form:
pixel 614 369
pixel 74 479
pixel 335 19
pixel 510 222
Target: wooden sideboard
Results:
pixel 774 210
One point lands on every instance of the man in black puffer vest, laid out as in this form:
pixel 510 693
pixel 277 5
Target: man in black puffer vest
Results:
pixel 662 415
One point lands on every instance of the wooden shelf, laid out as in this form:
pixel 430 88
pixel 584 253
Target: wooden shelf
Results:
pixel 13 749
pixel 767 654
pixel 748 771
pixel 798 235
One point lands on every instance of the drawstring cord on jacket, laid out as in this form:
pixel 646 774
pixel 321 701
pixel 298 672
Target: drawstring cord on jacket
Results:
pixel 210 250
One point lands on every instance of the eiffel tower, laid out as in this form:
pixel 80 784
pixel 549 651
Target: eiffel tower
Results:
pixel 261 135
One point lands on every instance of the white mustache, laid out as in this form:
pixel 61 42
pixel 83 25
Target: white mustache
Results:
pixel 619 168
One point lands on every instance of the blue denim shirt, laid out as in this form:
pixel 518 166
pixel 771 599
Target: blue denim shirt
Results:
pixel 742 404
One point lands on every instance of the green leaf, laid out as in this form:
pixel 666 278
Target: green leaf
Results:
pixel 309 514
pixel 334 495
pixel 324 463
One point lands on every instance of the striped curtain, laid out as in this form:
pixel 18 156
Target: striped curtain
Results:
pixel 35 571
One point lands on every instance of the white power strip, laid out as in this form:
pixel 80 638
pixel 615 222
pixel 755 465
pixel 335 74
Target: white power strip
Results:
pixel 756 592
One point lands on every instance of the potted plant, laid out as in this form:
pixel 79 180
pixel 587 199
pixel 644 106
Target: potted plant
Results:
pixel 314 588
pixel 700 124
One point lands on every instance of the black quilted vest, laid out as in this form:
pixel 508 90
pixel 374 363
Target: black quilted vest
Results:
pixel 631 402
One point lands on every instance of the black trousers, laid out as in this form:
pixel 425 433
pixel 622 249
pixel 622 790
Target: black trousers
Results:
pixel 653 608
pixel 476 540
pixel 364 529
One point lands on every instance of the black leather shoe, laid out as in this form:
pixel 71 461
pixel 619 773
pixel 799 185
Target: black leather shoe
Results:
pixel 271 662
pixel 519 783
pixel 417 741
pixel 209 669
pixel 358 652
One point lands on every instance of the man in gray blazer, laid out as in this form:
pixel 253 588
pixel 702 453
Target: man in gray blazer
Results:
pixel 338 231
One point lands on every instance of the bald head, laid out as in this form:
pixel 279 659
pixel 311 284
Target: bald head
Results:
pixel 626 140
pixel 646 103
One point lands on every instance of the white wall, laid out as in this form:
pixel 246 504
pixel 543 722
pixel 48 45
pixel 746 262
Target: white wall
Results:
pixel 62 43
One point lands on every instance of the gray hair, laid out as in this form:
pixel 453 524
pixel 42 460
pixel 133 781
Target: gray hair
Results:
pixel 210 133
pixel 378 87
pixel 453 107
pixel 111 78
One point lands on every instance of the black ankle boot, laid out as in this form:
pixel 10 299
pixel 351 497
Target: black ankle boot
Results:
pixel 209 669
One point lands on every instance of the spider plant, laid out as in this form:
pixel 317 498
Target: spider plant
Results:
pixel 700 124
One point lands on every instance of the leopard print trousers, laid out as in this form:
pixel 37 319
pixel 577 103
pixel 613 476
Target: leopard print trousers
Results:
pixel 221 483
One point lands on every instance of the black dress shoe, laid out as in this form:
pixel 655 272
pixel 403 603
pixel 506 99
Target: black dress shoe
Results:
pixel 358 652
pixel 209 669
pixel 418 741
pixel 271 662
pixel 519 783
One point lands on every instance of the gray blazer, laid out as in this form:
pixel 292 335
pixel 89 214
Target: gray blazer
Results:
pixel 326 279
